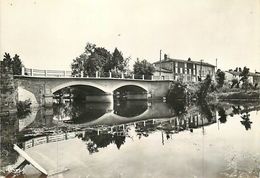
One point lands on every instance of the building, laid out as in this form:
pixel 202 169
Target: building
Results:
pixel 253 78
pixel 188 70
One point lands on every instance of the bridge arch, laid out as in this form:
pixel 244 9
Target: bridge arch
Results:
pixel 120 85
pixel 81 83
pixel 27 94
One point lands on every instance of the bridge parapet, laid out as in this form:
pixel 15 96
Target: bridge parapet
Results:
pixel 68 74
pixel 46 73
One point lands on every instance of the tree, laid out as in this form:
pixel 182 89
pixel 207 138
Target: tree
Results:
pixel 244 78
pixel 93 59
pixel 220 77
pixel 204 88
pixel 143 68
pixel 14 63
pixel 235 82
pixel 98 59
pixel 7 61
pixel 17 65
pixel 78 65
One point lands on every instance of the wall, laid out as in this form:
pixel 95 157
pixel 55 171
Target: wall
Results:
pixel 8 90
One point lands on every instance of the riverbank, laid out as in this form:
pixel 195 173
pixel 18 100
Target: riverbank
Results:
pixel 192 92
pixel 251 95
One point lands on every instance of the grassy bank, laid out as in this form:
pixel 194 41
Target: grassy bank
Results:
pixel 208 91
pixel 239 95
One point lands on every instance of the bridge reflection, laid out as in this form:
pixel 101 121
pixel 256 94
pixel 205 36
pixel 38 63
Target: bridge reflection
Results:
pixel 113 125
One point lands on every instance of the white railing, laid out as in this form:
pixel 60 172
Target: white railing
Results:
pixel 68 74
pixel 46 73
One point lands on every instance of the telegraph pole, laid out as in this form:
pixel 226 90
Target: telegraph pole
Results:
pixel 216 63
pixel 200 68
pixel 160 62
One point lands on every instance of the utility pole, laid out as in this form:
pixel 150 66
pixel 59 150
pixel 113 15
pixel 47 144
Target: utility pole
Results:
pixel 216 63
pixel 201 68
pixel 160 62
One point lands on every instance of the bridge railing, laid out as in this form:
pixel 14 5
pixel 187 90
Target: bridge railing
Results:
pixel 64 74
pixel 46 73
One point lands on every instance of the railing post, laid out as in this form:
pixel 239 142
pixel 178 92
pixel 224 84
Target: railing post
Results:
pixel 152 77
pixel 45 73
pixel 81 74
pixel 96 74
pixel 110 75
pixel 122 75
pixel 143 77
pixel 22 70
pixel 31 72
pixel 133 76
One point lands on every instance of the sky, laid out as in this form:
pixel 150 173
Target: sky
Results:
pixel 49 34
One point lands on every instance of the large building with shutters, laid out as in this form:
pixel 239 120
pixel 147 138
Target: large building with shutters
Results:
pixel 187 70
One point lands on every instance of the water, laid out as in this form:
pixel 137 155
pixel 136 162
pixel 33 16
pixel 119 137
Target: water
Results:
pixel 137 139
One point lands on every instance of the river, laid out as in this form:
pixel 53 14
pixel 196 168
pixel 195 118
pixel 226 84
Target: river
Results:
pixel 136 139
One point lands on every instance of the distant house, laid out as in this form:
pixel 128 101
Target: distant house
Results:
pixel 256 78
pixel 188 70
pixel 253 78
pixel 231 75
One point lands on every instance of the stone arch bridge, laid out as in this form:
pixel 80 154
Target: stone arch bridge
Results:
pixel 44 87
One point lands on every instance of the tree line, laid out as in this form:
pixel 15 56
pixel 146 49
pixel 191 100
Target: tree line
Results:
pixel 99 59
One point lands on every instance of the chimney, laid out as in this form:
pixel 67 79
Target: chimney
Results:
pixel 165 57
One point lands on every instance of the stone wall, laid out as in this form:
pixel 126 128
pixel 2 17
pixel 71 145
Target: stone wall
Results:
pixel 8 90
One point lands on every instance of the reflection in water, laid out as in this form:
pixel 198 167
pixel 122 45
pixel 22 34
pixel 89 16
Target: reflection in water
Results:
pixel 80 112
pixel 246 120
pixel 94 141
pixel 128 108
pixel 8 131
pixel 101 127
pixel 222 115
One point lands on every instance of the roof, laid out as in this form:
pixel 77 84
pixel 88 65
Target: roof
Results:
pixel 163 70
pixel 181 60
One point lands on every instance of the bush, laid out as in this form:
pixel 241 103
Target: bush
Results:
pixel 24 108
pixel 177 91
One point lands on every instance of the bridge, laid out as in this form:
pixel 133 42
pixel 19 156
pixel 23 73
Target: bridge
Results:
pixel 44 83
